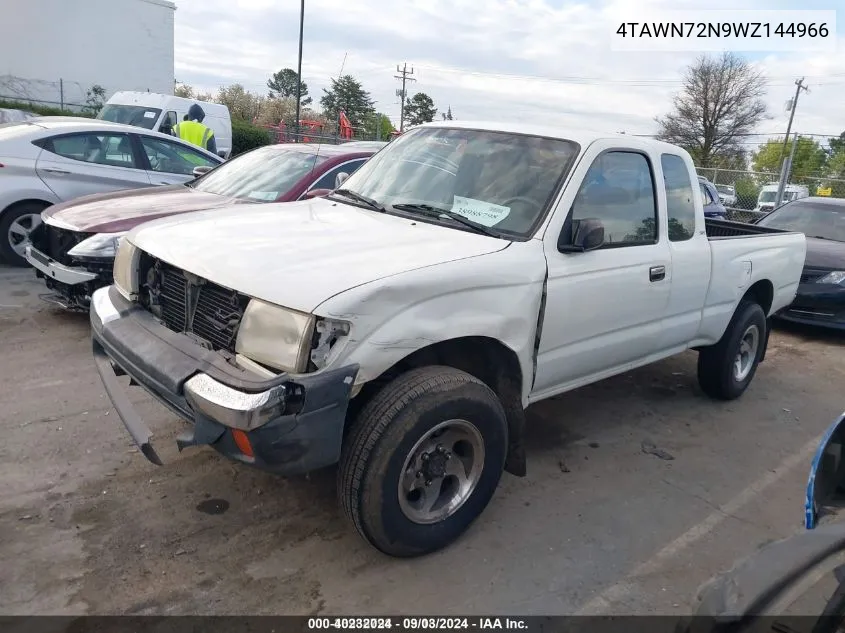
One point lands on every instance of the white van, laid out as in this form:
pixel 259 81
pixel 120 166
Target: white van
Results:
pixel 160 112
pixel 768 194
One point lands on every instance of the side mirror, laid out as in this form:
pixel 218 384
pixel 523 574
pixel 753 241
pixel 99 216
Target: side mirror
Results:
pixel 340 179
pixel 199 171
pixel 588 235
pixel 316 193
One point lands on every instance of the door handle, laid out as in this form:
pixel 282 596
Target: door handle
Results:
pixel 55 171
pixel 656 273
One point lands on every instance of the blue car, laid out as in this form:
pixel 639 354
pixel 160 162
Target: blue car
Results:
pixel 713 207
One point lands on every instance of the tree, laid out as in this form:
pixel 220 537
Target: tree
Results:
pixel 720 103
pixel 419 109
pixel 809 159
pixel 183 90
pixel 447 116
pixel 283 84
pixel 95 99
pixel 348 95
pixel 242 104
pixel 375 121
pixel 836 145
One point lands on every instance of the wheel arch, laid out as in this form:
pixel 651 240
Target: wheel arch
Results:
pixel 19 203
pixel 762 292
pixel 487 359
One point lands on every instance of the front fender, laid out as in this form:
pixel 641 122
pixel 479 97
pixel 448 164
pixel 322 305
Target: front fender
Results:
pixel 496 296
pixel 826 484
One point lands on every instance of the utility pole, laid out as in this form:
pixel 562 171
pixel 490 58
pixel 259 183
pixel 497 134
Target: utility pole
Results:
pixel 785 171
pixel 405 76
pixel 799 83
pixel 299 68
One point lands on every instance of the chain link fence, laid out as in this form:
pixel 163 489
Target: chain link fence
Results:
pixel 61 93
pixel 748 195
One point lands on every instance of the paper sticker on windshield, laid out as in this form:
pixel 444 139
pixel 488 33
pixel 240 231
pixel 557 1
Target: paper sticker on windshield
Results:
pixel 264 195
pixel 149 115
pixel 484 213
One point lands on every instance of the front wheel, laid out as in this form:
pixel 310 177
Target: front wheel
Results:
pixel 422 460
pixel 725 369
pixel 16 225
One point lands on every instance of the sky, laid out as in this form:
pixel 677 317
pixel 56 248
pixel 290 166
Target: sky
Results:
pixel 542 61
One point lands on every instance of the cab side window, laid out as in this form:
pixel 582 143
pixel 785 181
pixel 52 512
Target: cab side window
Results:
pixel 619 190
pixel 680 205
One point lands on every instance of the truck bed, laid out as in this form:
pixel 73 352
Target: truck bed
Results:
pixel 721 229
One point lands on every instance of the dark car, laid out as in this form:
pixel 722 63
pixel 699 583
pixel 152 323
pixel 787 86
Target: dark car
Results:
pixel 821 294
pixel 713 207
pixel 73 249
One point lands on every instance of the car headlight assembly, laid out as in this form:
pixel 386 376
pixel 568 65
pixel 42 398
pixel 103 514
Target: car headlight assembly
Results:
pixel 836 277
pixel 100 245
pixel 125 269
pixel 276 337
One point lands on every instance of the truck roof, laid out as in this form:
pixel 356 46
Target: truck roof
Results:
pixel 582 136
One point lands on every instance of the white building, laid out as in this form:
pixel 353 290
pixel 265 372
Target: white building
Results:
pixel 56 50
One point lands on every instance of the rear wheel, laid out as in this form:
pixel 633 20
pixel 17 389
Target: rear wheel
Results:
pixel 422 460
pixel 16 225
pixel 726 369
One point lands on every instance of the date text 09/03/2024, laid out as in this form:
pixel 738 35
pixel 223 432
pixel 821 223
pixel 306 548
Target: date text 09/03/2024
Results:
pixel 418 623
pixel 760 30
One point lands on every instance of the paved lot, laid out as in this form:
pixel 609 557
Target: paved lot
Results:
pixel 87 525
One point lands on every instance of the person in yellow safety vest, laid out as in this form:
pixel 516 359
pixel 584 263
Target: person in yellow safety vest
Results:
pixel 192 130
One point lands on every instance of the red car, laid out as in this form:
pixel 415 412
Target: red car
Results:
pixel 73 249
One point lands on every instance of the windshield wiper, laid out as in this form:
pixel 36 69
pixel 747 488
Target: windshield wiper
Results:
pixel 436 212
pixel 359 198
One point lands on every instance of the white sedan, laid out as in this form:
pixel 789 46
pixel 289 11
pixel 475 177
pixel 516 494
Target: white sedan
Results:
pixel 48 160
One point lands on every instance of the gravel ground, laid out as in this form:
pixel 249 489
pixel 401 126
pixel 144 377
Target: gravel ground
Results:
pixel 639 489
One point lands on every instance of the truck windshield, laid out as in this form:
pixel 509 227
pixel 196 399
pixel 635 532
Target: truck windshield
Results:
pixel 500 181
pixel 138 116
pixel 768 196
pixel 264 174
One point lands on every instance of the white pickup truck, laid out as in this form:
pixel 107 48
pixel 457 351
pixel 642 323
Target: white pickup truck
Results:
pixel 401 325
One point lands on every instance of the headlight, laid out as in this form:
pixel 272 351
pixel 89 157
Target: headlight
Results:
pixel 99 245
pixel 125 269
pixel 835 277
pixel 275 336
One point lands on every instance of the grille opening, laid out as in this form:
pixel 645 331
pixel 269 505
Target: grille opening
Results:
pixel 56 242
pixel 189 304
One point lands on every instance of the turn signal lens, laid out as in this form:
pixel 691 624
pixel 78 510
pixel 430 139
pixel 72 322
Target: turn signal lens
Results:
pixel 242 442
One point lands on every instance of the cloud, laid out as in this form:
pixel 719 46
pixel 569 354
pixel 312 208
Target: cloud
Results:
pixel 543 61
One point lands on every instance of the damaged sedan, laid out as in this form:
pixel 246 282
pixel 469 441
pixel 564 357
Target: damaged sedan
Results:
pixel 73 248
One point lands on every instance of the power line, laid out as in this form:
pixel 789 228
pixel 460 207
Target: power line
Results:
pixel 405 76
pixel 644 81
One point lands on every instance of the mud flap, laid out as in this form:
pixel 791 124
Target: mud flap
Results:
pixel 826 485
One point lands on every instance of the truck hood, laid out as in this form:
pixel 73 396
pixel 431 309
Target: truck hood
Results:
pixel 124 210
pixel 299 254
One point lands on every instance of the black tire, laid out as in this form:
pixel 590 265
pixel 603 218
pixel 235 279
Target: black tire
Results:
pixel 7 218
pixel 382 438
pixel 716 363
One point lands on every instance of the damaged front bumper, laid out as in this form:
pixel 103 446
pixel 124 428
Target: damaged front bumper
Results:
pixel 72 286
pixel 286 425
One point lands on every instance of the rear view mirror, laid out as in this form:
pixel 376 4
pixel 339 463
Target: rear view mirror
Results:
pixel 317 193
pixel 199 171
pixel 587 235
pixel 340 179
